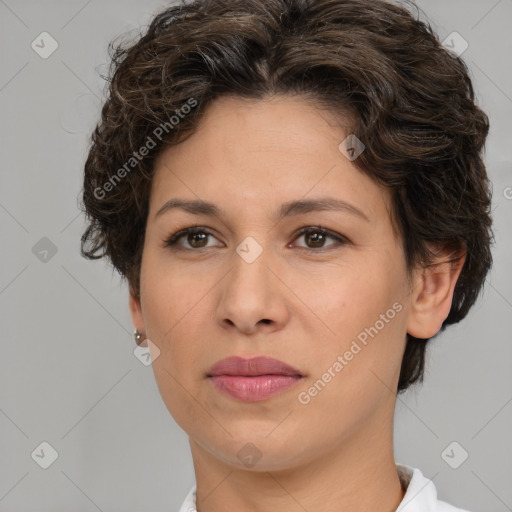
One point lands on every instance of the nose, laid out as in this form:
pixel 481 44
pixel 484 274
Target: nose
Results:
pixel 253 299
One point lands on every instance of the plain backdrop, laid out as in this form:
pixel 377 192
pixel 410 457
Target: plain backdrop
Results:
pixel 69 376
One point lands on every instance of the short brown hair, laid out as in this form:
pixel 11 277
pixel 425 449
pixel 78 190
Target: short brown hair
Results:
pixel 411 102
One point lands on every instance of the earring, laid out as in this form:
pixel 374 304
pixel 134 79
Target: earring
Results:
pixel 138 336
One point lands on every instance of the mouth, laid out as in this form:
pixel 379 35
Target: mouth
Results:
pixel 253 380
pixel 253 367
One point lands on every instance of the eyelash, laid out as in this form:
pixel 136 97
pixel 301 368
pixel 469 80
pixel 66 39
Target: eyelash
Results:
pixel 341 240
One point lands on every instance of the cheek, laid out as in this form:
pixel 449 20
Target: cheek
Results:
pixel 171 304
pixel 169 292
pixel 353 297
pixel 365 312
pixel 354 373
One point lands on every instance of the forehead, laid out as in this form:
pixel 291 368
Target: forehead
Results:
pixel 254 155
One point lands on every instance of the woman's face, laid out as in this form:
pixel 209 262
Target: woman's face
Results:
pixel 334 306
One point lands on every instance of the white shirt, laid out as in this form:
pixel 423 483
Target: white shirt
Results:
pixel 421 494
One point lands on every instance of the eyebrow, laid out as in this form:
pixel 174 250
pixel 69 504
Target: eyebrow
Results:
pixel 200 207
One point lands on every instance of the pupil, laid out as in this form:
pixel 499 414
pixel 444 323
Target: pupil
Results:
pixel 191 236
pixel 318 237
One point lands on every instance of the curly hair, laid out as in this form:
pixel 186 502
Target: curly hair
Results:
pixel 410 100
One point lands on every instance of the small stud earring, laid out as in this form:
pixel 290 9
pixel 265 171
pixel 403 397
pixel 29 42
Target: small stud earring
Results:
pixel 138 336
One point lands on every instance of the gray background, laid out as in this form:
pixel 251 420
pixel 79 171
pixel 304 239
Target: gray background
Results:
pixel 68 373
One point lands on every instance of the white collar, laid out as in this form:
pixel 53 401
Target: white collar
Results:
pixel 421 494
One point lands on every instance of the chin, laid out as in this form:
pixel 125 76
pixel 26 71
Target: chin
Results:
pixel 259 454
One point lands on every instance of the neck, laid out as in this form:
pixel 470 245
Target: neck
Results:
pixel 358 474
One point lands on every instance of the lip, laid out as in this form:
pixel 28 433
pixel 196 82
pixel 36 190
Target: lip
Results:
pixel 254 379
pixel 251 367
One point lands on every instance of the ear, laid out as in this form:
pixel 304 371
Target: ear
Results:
pixel 432 294
pixel 136 313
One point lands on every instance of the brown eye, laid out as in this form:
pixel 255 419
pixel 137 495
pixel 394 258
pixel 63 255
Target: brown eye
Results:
pixel 195 237
pixel 316 237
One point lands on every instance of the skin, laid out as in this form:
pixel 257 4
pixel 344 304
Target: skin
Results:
pixel 199 305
